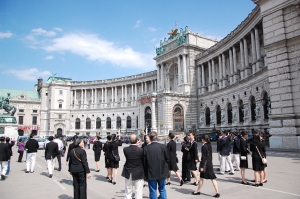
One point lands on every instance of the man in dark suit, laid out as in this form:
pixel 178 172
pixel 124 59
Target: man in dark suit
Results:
pixel 156 160
pixel 51 152
pixel 4 157
pixel 133 170
pixel 225 150
pixel 32 146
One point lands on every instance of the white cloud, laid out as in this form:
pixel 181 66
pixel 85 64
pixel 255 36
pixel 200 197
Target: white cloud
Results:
pixel 94 49
pixel 31 74
pixel 5 35
pixel 57 29
pixel 137 23
pixel 50 57
pixel 41 31
pixel 152 29
pixel 153 40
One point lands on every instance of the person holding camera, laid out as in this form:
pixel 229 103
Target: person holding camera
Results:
pixel 113 158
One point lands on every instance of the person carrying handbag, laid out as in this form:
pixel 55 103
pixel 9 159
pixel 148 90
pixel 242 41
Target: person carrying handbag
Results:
pixel 113 158
pixel 79 169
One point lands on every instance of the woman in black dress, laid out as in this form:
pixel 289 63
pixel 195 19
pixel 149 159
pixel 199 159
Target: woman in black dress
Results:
pixel 79 168
pixel 113 151
pixel 105 150
pixel 206 162
pixel 262 139
pixel 171 146
pixel 258 150
pixel 186 158
pixel 97 148
pixel 193 149
pixel 146 142
pixel 244 151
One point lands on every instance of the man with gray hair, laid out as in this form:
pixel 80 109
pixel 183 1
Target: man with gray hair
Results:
pixel 156 160
pixel 133 170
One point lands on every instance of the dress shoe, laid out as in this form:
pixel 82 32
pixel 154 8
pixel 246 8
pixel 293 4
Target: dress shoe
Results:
pixel 107 177
pixel 110 181
pixel 3 177
pixel 114 183
pixel 58 169
pixel 196 193
pixel 256 185
pixel 50 176
pixel 217 195
pixel 261 184
pixel 168 183
pixel 31 171
pixel 265 181
pixel 231 173
pixel 221 173
pixel 26 171
pixel 252 181
pixel 245 183
pixel 196 184
pixel 97 170
pixel 181 182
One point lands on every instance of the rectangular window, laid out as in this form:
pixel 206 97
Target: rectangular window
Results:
pixel 21 119
pixel 34 120
pixel 60 106
pixel 59 116
pixel 46 94
pixel 21 110
pixel 34 111
pixel 60 92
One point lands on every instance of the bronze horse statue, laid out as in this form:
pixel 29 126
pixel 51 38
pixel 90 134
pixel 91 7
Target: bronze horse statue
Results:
pixel 4 104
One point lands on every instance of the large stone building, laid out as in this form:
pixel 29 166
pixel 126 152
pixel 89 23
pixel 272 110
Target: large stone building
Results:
pixel 248 80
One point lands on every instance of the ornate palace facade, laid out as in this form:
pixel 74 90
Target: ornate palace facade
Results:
pixel 248 80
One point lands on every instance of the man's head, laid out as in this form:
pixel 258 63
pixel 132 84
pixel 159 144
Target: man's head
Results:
pixel 32 135
pixel 7 139
pixel 153 136
pixel 2 139
pixel 133 139
pixel 50 138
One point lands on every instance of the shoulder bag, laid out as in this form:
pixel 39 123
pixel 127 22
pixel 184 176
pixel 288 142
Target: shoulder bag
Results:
pixel 116 157
pixel 76 156
pixel 264 160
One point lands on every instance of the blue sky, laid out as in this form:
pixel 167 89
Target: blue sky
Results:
pixel 99 39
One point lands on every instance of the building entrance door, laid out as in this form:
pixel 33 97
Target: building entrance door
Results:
pixel 148 120
pixel 59 132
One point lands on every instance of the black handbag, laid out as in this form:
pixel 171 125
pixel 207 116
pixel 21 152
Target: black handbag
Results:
pixel 116 157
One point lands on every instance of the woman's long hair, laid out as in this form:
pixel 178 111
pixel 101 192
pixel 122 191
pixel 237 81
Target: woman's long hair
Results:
pixel 113 137
pixel 77 142
pixel 207 140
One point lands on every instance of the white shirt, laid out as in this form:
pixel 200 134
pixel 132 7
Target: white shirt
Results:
pixel 59 143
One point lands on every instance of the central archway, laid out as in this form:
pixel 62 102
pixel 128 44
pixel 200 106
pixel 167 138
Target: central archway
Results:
pixel 59 132
pixel 148 121
pixel 178 118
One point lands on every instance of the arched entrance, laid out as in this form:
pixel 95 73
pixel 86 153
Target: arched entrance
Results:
pixel 207 116
pixel 229 113
pixel 20 132
pixel 218 114
pixel 252 106
pixel 148 114
pixel 266 104
pixel 59 132
pixel 178 118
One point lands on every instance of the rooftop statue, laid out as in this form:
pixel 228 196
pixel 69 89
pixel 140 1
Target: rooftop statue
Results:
pixel 173 32
pixel 4 104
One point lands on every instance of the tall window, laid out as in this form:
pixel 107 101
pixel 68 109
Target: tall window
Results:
pixel 77 123
pixel 207 116
pixel 34 120
pixel 118 122
pixel 108 123
pixel 253 105
pixel 88 123
pixel 178 118
pixel 128 122
pixel 59 116
pixel 266 105
pixel 98 123
pixel 60 105
pixel 21 119
pixel 241 113
pixel 229 113
pixel 218 113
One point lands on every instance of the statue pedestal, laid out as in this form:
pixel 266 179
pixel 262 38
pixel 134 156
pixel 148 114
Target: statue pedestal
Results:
pixel 9 130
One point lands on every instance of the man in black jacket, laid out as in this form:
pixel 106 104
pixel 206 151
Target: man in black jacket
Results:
pixel 10 144
pixel 225 150
pixel 4 157
pixel 32 146
pixel 236 151
pixel 133 170
pixel 51 152
pixel 156 160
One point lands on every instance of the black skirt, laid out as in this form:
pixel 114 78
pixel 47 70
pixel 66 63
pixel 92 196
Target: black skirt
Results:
pixel 257 164
pixel 209 173
pixel 244 163
pixel 97 155
pixel 193 165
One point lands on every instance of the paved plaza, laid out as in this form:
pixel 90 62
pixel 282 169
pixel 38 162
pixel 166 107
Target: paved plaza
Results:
pixel 283 180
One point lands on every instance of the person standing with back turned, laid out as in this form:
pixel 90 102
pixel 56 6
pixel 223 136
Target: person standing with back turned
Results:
pixel 156 160
pixel 32 146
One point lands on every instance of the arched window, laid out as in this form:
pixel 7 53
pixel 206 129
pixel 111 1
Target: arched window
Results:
pixel 241 113
pixel 218 114
pixel 108 123
pixel 128 122
pixel 118 123
pixel 88 123
pixel 98 123
pixel 178 118
pixel 229 113
pixel 77 123
pixel 207 116
pixel 266 104
pixel 253 105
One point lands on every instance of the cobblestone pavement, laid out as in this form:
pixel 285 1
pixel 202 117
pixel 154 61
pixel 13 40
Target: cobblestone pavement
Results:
pixel 283 180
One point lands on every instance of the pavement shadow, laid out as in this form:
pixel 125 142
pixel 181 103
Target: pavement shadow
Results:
pixel 100 178
pixel 45 174
pixel 65 181
pixel 64 196
pixel 187 191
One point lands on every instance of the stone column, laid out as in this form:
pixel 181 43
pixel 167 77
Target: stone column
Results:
pixel 235 74
pixel 71 97
pixel 242 62
pixel 112 95
pixel 199 77
pixel 179 70
pixel 75 101
pixel 184 68
pixel 247 71
pixel 153 115
pixel 209 76
pixel 230 66
pixel 85 104
pixel 102 95
pixel 135 87
pixel 116 94
pixel 151 89
pixel 220 72
pixel 158 73
pixel 126 94
pixel 146 90
pixel 259 62
pixel 96 98
pixel 203 79
pixel 253 51
pixel 92 100
pixel 106 96
pixel 225 80
pixel 132 94
pixel 122 93
pixel 162 84
pixel 213 71
pixel 82 102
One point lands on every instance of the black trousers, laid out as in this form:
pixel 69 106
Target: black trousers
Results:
pixel 186 173
pixel 20 156
pixel 79 185
pixel 59 160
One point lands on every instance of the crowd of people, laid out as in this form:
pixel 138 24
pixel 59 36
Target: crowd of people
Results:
pixel 148 162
